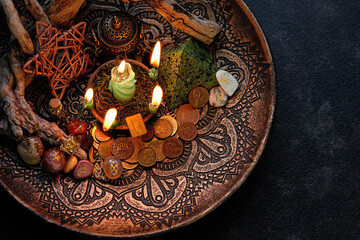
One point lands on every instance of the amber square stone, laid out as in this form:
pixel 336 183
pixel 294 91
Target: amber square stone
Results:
pixel 136 125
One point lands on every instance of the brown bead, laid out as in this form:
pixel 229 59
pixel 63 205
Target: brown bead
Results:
pixel 104 149
pixel 198 97
pixel 187 131
pixel 83 169
pixel 53 160
pixel 70 164
pixel 150 133
pixel 172 147
pixel 187 113
pixel 163 128
pixel 146 156
pixel 122 148
pixel 157 145
pixel 112 167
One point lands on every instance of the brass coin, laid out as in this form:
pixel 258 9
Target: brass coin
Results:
pixel 172 147
pixel 187 113
pixel 163 128
pixel 149 135
pixel 187 131
pixel 157 145
pixel 198 97
pixel 146 156
pixel 137 145
pixel 104 149
pixel 101 136
pixel 112 167
pixel 129 166
pixel 122 148
pixel 173 122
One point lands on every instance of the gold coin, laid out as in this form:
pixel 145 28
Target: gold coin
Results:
pixel 157 145
pixel 146 156
pixel 96 145
pixel 173 122
pixel 129 166
pixel 163 128
pixel 91 155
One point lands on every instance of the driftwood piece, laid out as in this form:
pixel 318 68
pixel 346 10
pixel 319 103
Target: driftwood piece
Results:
pixel 62 12
pixel 36 10
pixel 16 27
pixel 197 26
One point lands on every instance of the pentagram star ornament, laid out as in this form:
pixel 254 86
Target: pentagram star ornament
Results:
pixel 61 56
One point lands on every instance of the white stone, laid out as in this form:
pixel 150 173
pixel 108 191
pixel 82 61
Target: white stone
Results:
pixel 227 82
pixel 218 97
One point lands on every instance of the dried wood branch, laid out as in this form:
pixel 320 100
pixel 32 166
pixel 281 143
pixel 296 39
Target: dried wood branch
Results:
pixel 197 26
pixel 36 10
pixel 62 12
pixel 16 27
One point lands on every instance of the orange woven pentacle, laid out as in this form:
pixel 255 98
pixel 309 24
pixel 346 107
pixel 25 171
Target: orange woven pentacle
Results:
pixel 61 57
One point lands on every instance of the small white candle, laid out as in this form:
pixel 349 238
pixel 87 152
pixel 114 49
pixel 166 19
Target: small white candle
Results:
pixel 156 99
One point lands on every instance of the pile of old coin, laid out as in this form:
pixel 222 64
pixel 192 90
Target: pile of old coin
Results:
pixel 163 140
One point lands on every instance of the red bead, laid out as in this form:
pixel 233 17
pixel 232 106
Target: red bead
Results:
pixel 53 160
pixel 76 127
pixel 83 169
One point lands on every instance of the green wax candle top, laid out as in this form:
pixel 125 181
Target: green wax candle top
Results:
pixel 122 85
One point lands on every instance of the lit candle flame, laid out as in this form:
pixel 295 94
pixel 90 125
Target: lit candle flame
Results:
pixel 155 56
pixel 157 96
pixel 109 119
pixel 122 66
pixel 89 94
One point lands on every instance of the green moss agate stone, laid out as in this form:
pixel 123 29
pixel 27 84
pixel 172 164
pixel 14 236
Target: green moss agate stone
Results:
pixel 184 68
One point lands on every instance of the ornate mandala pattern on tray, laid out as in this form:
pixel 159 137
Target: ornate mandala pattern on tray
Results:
pixel 169 191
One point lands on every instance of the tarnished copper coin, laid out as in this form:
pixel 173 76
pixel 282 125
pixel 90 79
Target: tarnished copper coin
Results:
pixel 163 128
pixel 104 149
pixel 122 148
pixel 146 156
pixel 172 147
pixel 187 113
pixel 198 97
pixel 157 145
pixel 137 145
pixel 187 131
pixel 101 136
pixel 173 122
pixel 129 166
pixel 150 133
pixel 91 155
pixel 112 167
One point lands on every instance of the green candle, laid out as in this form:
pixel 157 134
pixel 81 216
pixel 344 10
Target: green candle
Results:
pixel 122 82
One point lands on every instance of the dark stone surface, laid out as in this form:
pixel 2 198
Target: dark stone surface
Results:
pixel 305 185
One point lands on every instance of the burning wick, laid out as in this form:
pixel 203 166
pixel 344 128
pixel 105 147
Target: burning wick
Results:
pixel 122 74
pixel 89 102
pixel 110 119
pixel 156 99
pixel 155 62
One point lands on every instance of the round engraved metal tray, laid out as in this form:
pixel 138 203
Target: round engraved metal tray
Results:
pixel 175 192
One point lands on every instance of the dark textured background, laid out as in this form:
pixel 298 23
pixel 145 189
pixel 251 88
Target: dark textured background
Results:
pixel 306 184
